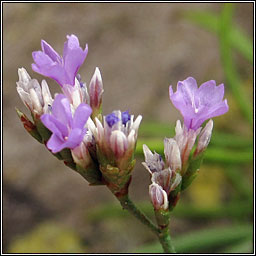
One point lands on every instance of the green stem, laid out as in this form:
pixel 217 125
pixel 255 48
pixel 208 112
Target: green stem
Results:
pixel 163 220
pixel 129 205
pixel 162 232
pixel 165 240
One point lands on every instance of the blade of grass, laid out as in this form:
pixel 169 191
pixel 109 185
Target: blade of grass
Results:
pixel 156 129
pixel 205 240
pixel 239 180
pixel 221 139
pixel 212 155
pixel 232 76
pixel 234 210
pixel 242 247
pixel 210 21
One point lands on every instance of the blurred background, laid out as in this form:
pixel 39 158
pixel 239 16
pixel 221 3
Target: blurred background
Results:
pixel 140 49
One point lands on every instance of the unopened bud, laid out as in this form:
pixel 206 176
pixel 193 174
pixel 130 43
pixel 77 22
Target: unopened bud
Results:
pixel 204 138
pixel 172 154
pixel 185 139
pixel 118 143
pixel 158 197
pixel 36 104
pixel 36 98
pixel 81 155
pixel 95 93
pixel 85 165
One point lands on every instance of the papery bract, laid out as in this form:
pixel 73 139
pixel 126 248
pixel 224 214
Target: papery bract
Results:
pixel 198 104
pixel 153 161
pixel 37 98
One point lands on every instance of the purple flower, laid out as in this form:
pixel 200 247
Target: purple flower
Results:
pixel 198 104
pixel 112 119
pixel 125 117
pixel 112 136
pixel 62 69
pixel 67 131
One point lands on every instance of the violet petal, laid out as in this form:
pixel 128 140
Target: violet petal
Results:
pixel 81 115
pixel 48 50
pixel 55 144
pixel 61 109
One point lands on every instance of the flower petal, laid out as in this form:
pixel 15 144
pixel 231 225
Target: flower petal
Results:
pixel 210 94
pixel 73 56
pixel 61 110
pixel 55 144
pixel 75 137
pixel 41 59
pixel 48 50
pixel 187 89
pixel 158 197
pixel 54 71
pixel 217 110
pixel 81 115
pixel 54 125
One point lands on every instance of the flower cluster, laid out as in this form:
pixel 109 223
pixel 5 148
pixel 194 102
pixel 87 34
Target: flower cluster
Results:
pixel 181 165
pixel 101 148
pixel 71 125
pixel 116 139
pixel 164 176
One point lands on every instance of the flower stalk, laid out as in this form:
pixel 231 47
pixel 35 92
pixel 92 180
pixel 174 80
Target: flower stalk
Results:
pixel 127 204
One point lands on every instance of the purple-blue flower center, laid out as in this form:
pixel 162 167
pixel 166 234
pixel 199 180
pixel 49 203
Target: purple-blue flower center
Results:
pixel 112 119
pixel 78 77
pixel 126 117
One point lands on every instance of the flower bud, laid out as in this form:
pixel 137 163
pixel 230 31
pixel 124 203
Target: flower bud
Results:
pixel 185 139
pixel 38 99
pixel 172 154
pixel 167 179
pixel 47 97
pixel 81 155
pixel 85 164
pixel 158 197
pixel 118 143
pixel 115 140
pixel 204 138
pixel 76 94
pixel 95 93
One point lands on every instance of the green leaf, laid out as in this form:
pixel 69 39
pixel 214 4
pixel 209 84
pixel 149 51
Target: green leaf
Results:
pixel 206 240
pixel 149 129
pixel 239 180
pixel 242 247
pixel 223 156
pixel 156 129
pixel 231 74
pixel 210 21
pixel 212 155
pixel 235 210
pixel 44 132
